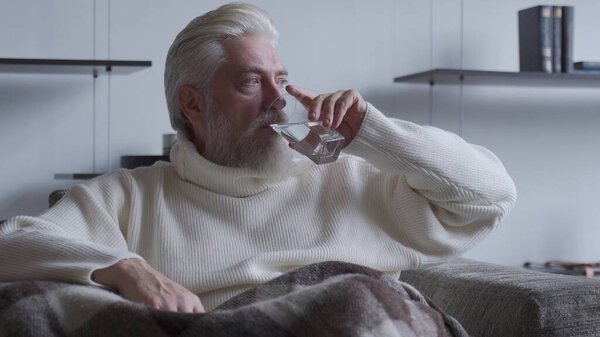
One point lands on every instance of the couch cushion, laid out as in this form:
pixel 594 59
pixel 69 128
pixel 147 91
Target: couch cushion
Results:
pixel 493 300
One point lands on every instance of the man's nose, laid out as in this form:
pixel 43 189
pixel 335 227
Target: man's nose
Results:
pixel 273 96
pixel 279 103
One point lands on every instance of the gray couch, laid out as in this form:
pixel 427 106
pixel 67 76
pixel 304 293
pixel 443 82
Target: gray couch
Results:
pixel 492 300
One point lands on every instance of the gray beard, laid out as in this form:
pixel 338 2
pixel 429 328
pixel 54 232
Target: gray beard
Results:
pixel 270 156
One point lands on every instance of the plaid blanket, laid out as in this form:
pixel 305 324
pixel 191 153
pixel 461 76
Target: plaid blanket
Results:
pixel 324 299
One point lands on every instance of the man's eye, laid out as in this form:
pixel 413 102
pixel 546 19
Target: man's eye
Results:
pixel 251 81
pixel 282 83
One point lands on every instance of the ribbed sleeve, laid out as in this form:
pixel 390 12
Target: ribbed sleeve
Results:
pixel 67 242
pixel 462 190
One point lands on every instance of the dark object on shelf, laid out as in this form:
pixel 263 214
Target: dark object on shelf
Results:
pixel 589 270
pixel 132 162
pixel 484 77
pixel 586 72
pixel 568 17
pixel 587 65
pixel 535 39
pixel 557 19
pixel 63 66
pixel 77 176
pixel 169 140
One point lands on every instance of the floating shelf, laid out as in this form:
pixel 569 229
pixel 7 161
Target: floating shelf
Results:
pixel 484 77
pixel 129 162
pixel 63 66
pixel 72 67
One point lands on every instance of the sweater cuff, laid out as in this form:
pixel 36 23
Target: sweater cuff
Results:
pixel 374 126
pixel 87 276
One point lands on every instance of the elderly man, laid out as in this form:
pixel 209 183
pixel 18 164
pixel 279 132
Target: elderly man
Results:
pixel 233 209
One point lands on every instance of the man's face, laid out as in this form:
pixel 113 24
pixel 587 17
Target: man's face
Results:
pixel 250 79
pixel 237 131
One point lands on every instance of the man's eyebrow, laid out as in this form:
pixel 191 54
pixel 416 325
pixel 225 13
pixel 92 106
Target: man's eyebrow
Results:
pixel 257 70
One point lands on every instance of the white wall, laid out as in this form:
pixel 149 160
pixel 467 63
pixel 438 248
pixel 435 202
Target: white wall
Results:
pixel 547 137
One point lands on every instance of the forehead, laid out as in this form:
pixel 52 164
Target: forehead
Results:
pixel 252 52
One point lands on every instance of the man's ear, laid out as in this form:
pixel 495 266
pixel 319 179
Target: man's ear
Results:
pixel 192 103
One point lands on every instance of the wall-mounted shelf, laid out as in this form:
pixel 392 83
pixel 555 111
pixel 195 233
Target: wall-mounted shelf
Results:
pixel 128 162
pixel 72 67
pixel 63 66
pixel 483 77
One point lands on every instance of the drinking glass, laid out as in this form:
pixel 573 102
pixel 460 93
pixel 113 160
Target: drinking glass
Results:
pixel 310 138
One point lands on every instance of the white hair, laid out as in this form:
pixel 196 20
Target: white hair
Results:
pixel 198 50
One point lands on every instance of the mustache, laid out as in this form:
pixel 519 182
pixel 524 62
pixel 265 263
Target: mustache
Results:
pixel 271 116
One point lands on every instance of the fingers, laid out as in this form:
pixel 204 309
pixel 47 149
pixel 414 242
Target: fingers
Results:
pixel 183 303
pixel 179 299
pixel 139 282
pixel 333 108
pixel 302 95
pixel 188 303
pixel 350 99
pixel 198 309
pixel 343 110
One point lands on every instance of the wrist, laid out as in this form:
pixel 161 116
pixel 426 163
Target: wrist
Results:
pixel 113 275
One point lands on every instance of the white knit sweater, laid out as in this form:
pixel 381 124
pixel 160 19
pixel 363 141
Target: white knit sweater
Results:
pixel 417 195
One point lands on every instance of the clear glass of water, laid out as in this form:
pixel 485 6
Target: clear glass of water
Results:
pixel 321 144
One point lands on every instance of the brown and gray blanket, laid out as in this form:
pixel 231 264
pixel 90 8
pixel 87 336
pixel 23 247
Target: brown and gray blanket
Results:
pixel 325 299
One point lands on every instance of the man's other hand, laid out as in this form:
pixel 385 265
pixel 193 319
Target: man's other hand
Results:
pixel 137 281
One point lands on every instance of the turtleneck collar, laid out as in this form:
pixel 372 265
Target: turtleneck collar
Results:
pixel 232 181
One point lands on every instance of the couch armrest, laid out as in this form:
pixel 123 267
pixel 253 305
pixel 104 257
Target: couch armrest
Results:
pixel 492 300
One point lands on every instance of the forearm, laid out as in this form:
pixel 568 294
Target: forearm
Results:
pixel 116 274
pixel 70 240
pixel 444 194
pixel 437 164
pixel 28 255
